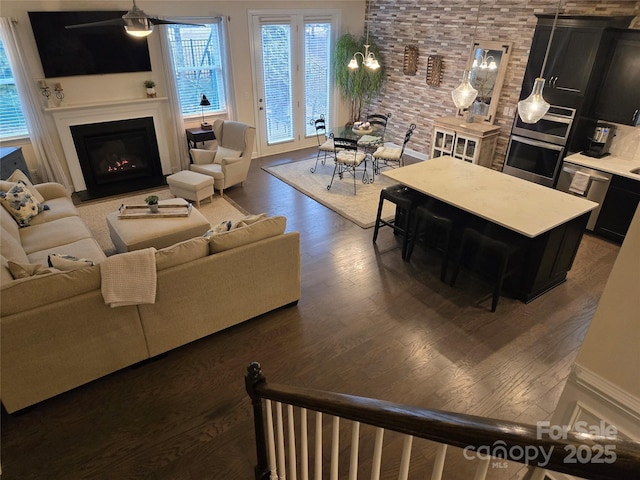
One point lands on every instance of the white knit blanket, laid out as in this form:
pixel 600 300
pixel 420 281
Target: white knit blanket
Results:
pixel 129 278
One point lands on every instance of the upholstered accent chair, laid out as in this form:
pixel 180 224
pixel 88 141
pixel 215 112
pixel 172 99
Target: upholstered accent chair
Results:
pixel 229 163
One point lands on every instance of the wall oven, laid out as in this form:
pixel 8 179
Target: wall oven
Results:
pixel 536 150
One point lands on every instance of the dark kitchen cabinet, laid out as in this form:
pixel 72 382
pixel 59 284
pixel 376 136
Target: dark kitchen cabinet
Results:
pixel 11 158
pixel 618 208
pixel 618 98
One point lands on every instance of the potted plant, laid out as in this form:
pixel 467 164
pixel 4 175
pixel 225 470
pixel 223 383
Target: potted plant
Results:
pixel 152 201
pixel 359 85
pixel 151 91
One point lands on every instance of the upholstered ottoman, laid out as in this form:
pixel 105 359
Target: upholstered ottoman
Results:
pixel 129 234
pixel 191 185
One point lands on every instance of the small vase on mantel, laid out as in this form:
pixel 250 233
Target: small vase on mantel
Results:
pixel 151 91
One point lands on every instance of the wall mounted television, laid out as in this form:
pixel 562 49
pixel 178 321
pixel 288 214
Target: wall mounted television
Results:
pixel 92 50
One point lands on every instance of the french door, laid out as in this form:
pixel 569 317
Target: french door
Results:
pixel 292 76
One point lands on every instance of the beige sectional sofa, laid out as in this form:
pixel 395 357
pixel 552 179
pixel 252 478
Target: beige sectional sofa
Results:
pixel 57 332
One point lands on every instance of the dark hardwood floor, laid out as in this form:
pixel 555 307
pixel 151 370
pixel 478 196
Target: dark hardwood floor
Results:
pixel 367 324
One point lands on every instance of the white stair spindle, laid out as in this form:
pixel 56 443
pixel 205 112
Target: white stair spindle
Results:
pixel 318 464
pixel 355 444
pixel 335 448
pixel 406 458
pixel 438 464
pixel 377 455
pixel 483 466
pixel 291 433
pixel 280 442
pixel 271 446
pixel 304 445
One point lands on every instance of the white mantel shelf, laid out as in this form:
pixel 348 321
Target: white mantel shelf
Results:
pixel 71 115
pixel 114 103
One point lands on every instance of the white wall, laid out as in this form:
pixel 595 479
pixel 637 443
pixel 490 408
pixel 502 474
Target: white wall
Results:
pixel 108 88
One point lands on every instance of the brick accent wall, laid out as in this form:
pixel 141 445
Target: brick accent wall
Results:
pixel 447 28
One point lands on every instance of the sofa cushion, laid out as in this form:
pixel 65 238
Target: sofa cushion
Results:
pixel 202 156
pixel 212 169
pixel 249 219
pixel 53 234
pixel 224 152
pixel 56 208
pixel 11 247
pixel 20 203
pixel 182 252
pixel 25 270
pixel 68 262
pixel 19 176
pixel 268 227
pixel 83 248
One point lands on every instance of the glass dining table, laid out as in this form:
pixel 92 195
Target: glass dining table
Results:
pixel 368 141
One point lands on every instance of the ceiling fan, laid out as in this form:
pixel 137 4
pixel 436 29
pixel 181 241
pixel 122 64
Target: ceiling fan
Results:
pixel 135 22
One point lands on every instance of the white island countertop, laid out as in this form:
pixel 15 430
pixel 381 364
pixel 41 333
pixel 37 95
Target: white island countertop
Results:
pixel 522 206
pixel 610 164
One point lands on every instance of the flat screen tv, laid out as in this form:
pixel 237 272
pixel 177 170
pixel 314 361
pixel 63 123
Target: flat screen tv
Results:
pixel 92 50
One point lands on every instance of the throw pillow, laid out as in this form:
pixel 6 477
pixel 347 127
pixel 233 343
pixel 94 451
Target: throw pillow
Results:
pixel 18 175
pixel 269 227
pixel 223 152
pixel 67 262
pixel 201 156
pixel 220 228
pixel 20 203
pixel 21 270
pixel 249 219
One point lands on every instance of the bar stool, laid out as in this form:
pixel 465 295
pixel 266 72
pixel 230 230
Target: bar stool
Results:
pixel 406 200
pixel 433 221
pixel 494 243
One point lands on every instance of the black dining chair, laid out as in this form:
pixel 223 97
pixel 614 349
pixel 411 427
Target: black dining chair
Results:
pixel 391 153
pixel 347 160
pixel 377 119
pixel 325 145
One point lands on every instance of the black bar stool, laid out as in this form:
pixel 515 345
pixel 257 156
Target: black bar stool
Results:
pixel 406 200
pixel 433 222
pixel 493 246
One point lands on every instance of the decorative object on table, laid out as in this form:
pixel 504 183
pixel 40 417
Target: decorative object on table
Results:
pixel 135 22
pixel 59 94
pixel 152 202
pixel 166 210
pixel 359 85
pixel 435 70
pixel 361 128
pixel 410 62
pixel 204 102
pixel 151 90
pixel 534 107
pixel 46 93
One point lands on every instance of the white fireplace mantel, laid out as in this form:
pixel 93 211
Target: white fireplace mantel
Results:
pixel 69 115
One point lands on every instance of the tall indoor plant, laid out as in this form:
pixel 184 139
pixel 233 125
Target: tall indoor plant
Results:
pixel 358 86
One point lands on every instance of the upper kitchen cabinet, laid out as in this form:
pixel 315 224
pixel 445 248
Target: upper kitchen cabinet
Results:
pixel 573 54
pixel 618 98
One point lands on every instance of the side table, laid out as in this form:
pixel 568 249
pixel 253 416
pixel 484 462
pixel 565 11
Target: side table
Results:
pixel 195 135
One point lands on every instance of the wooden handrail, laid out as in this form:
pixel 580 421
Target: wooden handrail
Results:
pixel 599 458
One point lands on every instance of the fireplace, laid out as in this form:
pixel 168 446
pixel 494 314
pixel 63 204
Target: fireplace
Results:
pixel 118 156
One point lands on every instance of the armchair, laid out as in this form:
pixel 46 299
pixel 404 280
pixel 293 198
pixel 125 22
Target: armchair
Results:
pixel 229 163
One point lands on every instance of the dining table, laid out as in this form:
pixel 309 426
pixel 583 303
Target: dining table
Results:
pixel 368 141
pixel 551 222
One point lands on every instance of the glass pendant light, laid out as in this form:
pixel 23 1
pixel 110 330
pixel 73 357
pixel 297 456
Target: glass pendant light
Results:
pixel 464 94
pixel 534 107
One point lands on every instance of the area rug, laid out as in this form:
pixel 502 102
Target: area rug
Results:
pixel 94 213
pixel 360 208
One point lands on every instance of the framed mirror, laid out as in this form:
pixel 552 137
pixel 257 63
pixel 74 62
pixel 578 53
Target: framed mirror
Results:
pixel 488 65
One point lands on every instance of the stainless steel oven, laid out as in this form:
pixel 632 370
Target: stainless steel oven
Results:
pixel 536 150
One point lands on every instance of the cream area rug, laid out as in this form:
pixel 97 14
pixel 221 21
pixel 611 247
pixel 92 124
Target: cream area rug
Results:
pixel 360 208
pixel 94 212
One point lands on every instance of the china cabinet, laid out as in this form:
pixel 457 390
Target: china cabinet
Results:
pixel 472 142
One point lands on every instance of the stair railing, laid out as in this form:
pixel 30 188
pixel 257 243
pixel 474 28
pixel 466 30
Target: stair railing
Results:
pixel 587 455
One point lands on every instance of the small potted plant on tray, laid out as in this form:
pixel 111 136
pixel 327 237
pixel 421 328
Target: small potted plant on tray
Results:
pixel 152 201
pixel 151 91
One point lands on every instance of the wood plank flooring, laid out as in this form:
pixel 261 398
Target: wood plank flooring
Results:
pixel 367 324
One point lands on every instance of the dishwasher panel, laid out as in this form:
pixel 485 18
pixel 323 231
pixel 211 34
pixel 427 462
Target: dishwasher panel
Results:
pixel 587 183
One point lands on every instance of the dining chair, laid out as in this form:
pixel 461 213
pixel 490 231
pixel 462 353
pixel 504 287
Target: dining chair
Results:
pixel 392 153
pixel 347 159
pixel 325 145
pixel 379 120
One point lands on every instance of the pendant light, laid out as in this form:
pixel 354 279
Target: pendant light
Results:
pixel 534 107
pixel 368 58
pixel 464 94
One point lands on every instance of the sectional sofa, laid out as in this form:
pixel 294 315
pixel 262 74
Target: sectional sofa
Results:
pixel 57 332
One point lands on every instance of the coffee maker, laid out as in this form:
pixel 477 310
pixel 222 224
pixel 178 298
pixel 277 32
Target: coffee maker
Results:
pixel 600 140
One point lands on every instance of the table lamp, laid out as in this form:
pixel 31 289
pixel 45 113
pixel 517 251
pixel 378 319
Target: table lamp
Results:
pixel 204 102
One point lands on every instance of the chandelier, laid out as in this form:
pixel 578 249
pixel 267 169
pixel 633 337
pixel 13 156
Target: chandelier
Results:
pixel 486 62
pixel 368 58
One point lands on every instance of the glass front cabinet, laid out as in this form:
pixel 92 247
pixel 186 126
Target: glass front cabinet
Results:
pixel 470 142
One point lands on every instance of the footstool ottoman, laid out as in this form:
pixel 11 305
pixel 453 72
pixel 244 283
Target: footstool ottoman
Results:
pixel 129 234
pixel 191 185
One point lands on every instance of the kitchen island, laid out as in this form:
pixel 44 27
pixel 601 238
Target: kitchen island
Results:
pixel 550 222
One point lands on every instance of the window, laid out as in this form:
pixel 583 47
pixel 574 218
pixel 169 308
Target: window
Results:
pixel 12 123
pixel 317 79
pixel 198 58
